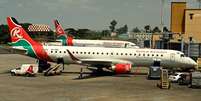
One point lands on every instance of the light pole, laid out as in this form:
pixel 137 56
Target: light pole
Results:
pixel 161 14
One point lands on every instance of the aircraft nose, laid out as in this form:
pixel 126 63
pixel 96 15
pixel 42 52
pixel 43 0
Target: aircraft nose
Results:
pixel 192 62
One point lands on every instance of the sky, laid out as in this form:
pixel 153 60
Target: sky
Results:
pixel 91 14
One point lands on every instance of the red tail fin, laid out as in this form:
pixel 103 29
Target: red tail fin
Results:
pixel 58 27
pixel 17 32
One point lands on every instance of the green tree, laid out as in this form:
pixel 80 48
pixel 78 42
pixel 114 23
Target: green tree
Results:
pixel 165 29
pixel 122 30
pixel 112 26
pixel 136 30
pixel 156 29
pixel 4 33
pixel 105 33
pixel 147 28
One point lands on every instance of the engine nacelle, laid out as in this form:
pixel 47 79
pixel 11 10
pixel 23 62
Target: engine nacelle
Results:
pixel 121 68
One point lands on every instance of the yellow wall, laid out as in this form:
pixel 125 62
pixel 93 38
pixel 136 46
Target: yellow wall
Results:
pixel 177 17
pixel 193 26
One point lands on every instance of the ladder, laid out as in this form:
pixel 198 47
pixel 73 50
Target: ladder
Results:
pixel 53 70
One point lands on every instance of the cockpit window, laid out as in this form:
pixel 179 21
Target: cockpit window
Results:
pixel 182 55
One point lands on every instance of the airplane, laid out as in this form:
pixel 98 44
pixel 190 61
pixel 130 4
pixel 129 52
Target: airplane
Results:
pixel 67 40
pixel 119 60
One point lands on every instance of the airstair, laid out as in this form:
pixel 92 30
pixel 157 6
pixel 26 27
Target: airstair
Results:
pixel 54 70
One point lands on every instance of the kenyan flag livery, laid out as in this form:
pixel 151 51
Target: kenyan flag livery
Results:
pixel 19 37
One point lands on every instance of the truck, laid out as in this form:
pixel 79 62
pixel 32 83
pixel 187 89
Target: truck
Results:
pixel 195 80
pixel 154 70
pixel 25 70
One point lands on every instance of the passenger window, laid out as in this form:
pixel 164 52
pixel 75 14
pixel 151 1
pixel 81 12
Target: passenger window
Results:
pixel 51 51
pixel 182 55
pixel 121 53
pixel 130 54
pixel 152 54
pixel 107 53
pixel 80 52
pixel 76 52
pixel 84 52
pixel 156 54
pixel 143 54
pixel 64 51
pixel 126 54
pixel 117 54
pixel 147 54
pixel 59 51
pixel 93 53
pixel 55 51
pixel 102 53
pixel 139 54
pixel 134 54
pixel 88 52
pixel 161 55
pixel 97 53
pixel 111 53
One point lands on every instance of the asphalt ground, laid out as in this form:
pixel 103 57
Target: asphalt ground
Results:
pixel 66 87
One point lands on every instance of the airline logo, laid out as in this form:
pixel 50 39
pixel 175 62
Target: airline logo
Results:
pixel 59 29
pixel 16 33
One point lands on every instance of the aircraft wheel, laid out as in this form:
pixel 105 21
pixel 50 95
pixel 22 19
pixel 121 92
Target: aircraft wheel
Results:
pixel 12 73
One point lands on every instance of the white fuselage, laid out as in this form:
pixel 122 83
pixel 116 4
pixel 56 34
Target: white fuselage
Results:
pixel 137 57
pixel 104 43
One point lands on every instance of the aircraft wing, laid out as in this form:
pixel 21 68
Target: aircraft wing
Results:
pixel 105 62
pixel 18 50
pixel 98 61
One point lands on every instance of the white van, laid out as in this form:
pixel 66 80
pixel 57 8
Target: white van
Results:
pixel 25 69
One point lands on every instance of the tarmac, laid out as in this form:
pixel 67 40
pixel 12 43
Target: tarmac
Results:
pixel 66 87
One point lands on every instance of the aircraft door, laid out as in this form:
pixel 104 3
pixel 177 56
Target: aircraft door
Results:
pixel 172 57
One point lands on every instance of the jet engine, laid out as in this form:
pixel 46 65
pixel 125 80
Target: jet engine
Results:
pixel 121 68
